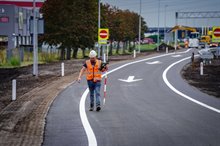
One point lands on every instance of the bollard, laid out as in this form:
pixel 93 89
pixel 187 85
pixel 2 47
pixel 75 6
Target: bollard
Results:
pixel 134 53
pixel 104 58
pixel 166 50
pixel 62 69
pixel 13 90
pixel 201 68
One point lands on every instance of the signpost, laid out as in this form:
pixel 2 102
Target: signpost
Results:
pixel 216 34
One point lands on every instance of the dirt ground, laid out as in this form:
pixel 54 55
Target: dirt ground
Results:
pixel 209 82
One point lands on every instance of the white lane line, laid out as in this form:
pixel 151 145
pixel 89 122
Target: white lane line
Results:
pixel 89 132
pixel 86 125
pixel 182 94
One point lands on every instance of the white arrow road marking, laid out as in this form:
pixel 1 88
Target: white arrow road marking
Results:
pixel 130 79
pixel 175 56
pixel 154 62
pixel 87 127
pixel 180 93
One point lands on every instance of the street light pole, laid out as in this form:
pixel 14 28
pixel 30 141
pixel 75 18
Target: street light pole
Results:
pixel 99 25
pixel 139 39
pixel 35 63
pixel 158 31
pixel 165 23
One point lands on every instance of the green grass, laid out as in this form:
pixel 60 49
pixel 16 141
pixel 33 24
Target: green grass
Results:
pixel 148 47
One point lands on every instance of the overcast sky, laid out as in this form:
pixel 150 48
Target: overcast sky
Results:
pixel 150 10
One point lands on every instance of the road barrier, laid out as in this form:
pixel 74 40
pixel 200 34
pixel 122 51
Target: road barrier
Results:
pixel 13 90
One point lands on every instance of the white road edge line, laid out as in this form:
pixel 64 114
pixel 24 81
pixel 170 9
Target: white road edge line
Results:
pixel 182 94
pixel 86 125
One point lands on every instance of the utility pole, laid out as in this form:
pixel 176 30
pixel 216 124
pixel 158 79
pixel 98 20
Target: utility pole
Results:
pixel 35 41
pixel 139 39
pixel 99 25
pixel 165 23
pixel 158 31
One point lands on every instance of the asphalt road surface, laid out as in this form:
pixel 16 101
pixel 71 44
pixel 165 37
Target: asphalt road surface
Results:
pixel 145 112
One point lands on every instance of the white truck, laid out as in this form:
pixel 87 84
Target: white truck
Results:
pixel 194 40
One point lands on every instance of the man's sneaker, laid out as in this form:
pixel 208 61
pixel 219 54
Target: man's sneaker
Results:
pixel 91 109
pixel 98 108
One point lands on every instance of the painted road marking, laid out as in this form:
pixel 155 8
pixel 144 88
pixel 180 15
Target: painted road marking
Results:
pixel 154 62
pixel 180 93
pixel 175 56
pixel 89 132
pixel 86 125
pixel 130 79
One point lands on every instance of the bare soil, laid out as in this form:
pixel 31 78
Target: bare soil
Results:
pixel 209 82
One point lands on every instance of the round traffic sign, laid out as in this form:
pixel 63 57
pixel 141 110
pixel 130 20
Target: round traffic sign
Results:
pixel 216 32
pixel 103 34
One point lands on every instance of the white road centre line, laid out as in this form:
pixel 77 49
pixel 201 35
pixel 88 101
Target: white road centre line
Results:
pixel 86 125
pixel 180 93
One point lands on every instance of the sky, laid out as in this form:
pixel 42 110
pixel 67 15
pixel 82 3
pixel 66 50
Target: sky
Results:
pixel 149 10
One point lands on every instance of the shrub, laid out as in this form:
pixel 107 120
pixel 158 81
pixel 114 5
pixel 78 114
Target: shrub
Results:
pixel 14 61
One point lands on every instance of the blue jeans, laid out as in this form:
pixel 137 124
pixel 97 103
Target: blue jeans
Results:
pixel 94 89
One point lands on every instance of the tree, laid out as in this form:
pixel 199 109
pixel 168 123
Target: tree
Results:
pixel 70 24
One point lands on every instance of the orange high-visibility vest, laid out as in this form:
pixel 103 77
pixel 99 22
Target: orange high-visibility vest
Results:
pixel 93 72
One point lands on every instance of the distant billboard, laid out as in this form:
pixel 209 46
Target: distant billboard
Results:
pixel 23 3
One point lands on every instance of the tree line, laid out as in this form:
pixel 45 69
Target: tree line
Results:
pixel 74 24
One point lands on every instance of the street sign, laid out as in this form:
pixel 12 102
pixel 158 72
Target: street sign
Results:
pixel 103 35
pixel 216 34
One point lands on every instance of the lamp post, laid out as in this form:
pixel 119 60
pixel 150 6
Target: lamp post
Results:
pixel 165 23
pixel 99 24
pixel 158 31
pixel 35 63
pixel 139 39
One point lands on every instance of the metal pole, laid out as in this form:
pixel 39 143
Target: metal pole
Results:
pixel 158 31
pixel 139 39
pixel 176 32
pixel 99 25
pixel 165 23
pixel 35 64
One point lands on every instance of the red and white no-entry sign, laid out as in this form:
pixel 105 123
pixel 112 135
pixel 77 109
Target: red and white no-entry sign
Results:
pixel 216 32
pixel 103 35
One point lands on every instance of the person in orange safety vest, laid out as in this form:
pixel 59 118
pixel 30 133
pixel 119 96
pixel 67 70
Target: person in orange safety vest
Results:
pixel 93 70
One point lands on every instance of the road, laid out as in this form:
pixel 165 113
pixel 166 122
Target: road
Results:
pixel 147 112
